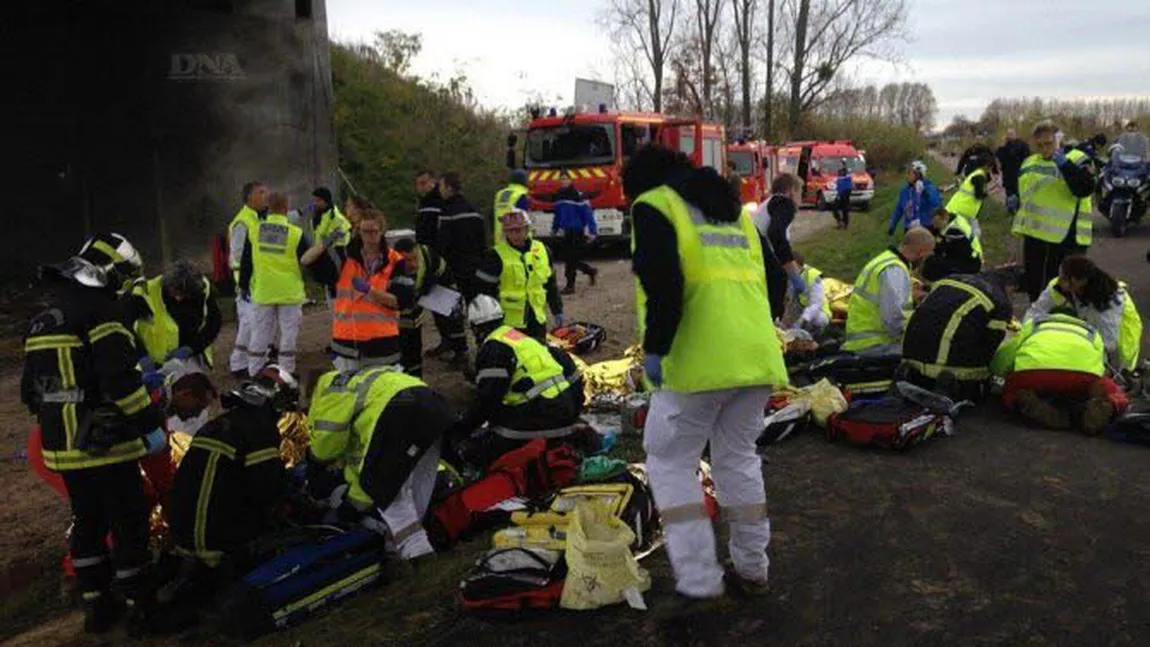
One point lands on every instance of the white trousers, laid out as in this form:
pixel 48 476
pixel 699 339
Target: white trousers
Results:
pixel 678 428
pixel 404 517
pixel 265 319
pixel 239 358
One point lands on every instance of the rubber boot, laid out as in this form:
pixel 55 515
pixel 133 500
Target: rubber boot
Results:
pixel 1097 412
pixel 1035 409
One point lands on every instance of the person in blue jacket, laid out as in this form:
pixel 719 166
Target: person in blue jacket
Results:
pixel 918 200
pixel 841 209
pixel 575 221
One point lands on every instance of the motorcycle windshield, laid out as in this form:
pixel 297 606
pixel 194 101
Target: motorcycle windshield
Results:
pixel 1130 162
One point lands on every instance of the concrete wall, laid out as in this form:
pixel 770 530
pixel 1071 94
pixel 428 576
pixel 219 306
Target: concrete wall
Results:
pixel 146 118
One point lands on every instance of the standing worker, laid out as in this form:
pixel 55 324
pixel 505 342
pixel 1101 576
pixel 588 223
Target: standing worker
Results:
pixel 881 301
pixel 702 305
pixel 975 187
pixel 841 209
pixel 518 272
pixel 247 220
pixel 512 196
pixel 773 220
pixel 575 219
pixel 916 202
pixel 430 207
pixel 328 223
pixel 420 270
pixel 1011 155
pixel 1054 207
pixel 97 420
pixel 966 163
pixel 461 241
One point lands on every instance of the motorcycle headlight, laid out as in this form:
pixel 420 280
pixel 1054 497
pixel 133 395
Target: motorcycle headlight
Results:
pixel 1119 181
pixel 1134 182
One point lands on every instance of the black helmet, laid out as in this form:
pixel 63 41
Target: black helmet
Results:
pixel 274 387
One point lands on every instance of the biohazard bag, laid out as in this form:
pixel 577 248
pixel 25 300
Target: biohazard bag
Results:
pixel 892 422
pixel 601 569
pixel 512 580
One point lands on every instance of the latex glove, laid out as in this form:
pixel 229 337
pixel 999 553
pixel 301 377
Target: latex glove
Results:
pixel 1012 204
pixel 183 352
pixel 1059 157
pixel 153 380
pixel 333 238
pixel 560 321
pixel 155 441
pixel 361 285
pixel 798 284
pixel 653 367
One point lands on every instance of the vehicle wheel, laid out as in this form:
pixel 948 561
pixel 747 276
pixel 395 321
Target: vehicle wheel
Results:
pixel 1117 221
pixel 821 205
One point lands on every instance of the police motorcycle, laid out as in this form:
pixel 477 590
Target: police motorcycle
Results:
pixel 1123 190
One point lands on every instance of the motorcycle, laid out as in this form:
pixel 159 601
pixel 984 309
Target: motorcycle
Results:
pixel 1124 190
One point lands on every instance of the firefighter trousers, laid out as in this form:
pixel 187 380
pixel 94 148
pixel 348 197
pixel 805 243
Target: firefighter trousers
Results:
pixel 239 357
pixel 265 320
pixel 679 427
pixel 411 349
pixel 109 499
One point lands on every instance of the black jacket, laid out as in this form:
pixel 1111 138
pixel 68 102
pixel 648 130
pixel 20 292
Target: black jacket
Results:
pixel 408 290
pixel 415 420
pixel 495 365
pixel 82 344
pixel 656 259
pixel 197 332
pixel 978 334
pixel 461 240
pixel 229 483
pixel 1010 157
pixel 427 218
pixel 966 162
pixel 953 254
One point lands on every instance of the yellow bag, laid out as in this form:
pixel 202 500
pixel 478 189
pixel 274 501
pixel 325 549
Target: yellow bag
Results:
pixel 600 567
pixel 825 399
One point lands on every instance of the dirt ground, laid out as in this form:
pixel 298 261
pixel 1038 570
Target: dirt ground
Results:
pixel 999 535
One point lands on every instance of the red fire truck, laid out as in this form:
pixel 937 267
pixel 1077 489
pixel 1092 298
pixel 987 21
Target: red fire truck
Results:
pixel 752 162
pixel 591 147
pixel 817 164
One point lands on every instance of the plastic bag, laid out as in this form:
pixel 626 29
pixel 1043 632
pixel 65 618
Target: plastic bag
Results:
pixel 825 399
pixel 600 567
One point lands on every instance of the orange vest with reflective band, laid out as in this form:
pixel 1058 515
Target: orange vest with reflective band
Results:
pixel 356 317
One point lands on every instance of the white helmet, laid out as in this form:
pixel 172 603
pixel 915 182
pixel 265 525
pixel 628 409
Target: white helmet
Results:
pixel 484 309
pixel 918 167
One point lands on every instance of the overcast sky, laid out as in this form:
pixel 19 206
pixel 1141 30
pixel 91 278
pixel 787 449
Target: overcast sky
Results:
pixel 968 51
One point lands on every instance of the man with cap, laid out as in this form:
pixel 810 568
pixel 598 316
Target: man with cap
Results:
pixel 512 196
pixel 518 272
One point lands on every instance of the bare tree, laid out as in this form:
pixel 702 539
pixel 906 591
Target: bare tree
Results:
pixel 828 34
pixel 647 26
pixel 707 14
pixel 769 108
pixel 744 15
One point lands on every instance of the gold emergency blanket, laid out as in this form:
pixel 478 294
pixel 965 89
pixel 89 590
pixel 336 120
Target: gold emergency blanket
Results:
pixel 613 378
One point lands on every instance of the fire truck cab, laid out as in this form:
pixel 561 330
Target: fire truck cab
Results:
pixel 591 148
pixel 752 162
pixel 817 164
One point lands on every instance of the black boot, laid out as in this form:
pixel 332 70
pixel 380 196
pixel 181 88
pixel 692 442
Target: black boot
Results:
pixel 102 613
pixel 592 276
pixel 569 289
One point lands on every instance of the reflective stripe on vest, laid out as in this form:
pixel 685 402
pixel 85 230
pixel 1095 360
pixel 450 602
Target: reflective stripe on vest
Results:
pixel 355 317
pixel 865 327
pixel 277 277
pixel 1129 331
pixel 810 276
pixel 522 283
pixel 504 202
pixel 333 221
pixel 160 334
pixel 533 365
pixel 1047 207
pixel 963 226
pixel 964 202
pixel 1064 343
pixel 720 342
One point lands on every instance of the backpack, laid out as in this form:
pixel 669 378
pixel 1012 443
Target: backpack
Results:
pixel 892 422
pixel 579 337
pixel 513 580
pixel 862 377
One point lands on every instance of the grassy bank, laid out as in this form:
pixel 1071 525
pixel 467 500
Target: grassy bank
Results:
pixel 842 254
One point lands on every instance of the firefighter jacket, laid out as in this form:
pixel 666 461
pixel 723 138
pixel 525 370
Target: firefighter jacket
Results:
pixel 957 328
pixel 361 328
pixel 82 381
pixel 377 423
pixel 163 324
pixel 229 484
pixel 524 282
pixel 526 389
pixel 410 285
pixel 427 218
pixel 461 241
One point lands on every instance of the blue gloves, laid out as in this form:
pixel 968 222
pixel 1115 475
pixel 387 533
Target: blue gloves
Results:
pixel 361 285
pixel 798 284
pixel 653 367
pixel 153 380
pixel 1012 204
pixel 155 441
pixel 183 352
pixel 1059 157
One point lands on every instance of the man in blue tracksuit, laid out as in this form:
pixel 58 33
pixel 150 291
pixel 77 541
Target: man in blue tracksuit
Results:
pixel 575 221
pixel 917 202
pixel 844 185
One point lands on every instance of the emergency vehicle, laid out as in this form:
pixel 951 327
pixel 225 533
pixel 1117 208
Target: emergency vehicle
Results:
pixel 817 164
pixel 591 147
pixel 753 163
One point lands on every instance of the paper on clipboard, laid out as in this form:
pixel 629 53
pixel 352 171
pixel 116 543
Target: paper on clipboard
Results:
pixel 440 300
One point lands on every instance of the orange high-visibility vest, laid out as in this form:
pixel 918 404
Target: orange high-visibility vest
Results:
pixel 357 317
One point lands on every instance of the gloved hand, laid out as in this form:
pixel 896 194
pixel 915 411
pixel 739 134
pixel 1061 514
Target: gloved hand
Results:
pixel 1059 157
pixel 183 352
pixel 653 367
pixel 155 441
pixel 798 284
pixel 334 237
pixel 361 285
pixel 1012 203
pixel 560 321
pixel 153 379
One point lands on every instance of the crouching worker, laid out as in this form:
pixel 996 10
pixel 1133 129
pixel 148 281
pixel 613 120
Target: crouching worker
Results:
pixel 527 390
pixel 1055 375
pixel 809 310
pixel 882 300
pixel 384 428
pixel 956 251
pixel 955 331
pixel 229 485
